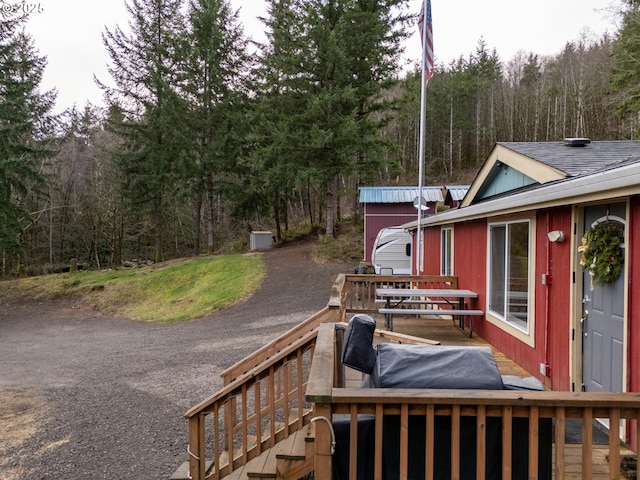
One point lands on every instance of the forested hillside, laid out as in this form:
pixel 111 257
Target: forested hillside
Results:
pixel 205 136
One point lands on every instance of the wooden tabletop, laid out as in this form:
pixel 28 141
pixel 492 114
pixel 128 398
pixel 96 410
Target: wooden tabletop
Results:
pixel 425 292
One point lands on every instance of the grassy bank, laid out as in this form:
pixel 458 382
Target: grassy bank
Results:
pixel 168 292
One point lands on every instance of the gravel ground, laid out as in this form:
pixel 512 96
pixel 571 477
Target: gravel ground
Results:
pixel 86 395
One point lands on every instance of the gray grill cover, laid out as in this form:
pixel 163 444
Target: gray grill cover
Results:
pixel 427 366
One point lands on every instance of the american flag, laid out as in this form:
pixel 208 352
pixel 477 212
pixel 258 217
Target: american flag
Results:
pixel 427 47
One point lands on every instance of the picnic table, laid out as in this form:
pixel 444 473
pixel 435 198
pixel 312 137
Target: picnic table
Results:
pixel 427 301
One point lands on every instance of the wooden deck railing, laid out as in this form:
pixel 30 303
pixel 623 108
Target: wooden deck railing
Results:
pixel 411 407
pixel 262 401
pixel 251 413
pixel 357 293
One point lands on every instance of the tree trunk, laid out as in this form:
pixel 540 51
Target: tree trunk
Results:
pixel 330 210
pixel 198 213
pixel 309 202
pixel 210 216
pixel 276 217
pixel 159 224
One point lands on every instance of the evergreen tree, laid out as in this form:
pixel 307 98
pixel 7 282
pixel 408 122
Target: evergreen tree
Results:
pixel 353 49
pixel 147 69
pixel 217 65
pixel 278 134
pixel 375 32
pixel 25 128
pixel 626 72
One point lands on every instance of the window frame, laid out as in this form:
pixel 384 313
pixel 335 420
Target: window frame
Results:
pixel 501 318
pixel 446 255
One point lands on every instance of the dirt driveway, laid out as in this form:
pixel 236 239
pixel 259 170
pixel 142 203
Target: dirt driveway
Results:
pixel 85 395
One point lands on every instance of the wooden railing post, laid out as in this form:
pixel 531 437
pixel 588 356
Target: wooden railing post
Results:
pixel 197 468
pixel 336 303
pixel 323 461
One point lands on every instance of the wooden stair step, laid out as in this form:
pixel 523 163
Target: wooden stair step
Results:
pixel 288 457
pixel 271 461
pixel 296 458
pixel 182 472
pixel 294 447
pixel 263 466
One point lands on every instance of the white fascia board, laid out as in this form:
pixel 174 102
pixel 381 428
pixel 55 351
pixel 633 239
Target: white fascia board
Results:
pixel 609 184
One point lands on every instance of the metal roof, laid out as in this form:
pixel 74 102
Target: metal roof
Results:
pixel 399 194
pixel 457 192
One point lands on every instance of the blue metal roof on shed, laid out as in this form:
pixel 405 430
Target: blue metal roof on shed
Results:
pixel 399 194
pixel 457 192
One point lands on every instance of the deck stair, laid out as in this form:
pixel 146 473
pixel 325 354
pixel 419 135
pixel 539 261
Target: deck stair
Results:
pixel 289 459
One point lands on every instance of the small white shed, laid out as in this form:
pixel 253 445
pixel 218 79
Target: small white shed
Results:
pixel 260 241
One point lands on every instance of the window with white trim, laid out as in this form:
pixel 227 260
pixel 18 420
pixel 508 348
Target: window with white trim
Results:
pixel 509 266
pixel 446 251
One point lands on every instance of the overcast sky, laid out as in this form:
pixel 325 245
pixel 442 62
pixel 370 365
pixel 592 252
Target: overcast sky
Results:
pixel 68 33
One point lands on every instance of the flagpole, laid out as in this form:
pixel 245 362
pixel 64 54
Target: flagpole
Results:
pixel 423 116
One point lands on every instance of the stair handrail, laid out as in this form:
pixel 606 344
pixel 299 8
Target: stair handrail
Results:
pixel 275 346
pixel 233 419
pixel 238 382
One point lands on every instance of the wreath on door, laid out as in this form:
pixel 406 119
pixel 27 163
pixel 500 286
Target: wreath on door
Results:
pixel 602 254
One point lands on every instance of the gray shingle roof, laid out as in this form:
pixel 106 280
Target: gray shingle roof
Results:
pixel 577 161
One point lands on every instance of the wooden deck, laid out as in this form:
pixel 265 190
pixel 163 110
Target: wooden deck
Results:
pixel 447 334
pixel 258 381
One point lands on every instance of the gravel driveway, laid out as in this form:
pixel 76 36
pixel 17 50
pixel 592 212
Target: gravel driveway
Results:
pixel 85 395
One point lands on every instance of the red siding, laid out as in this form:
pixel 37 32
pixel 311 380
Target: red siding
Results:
pixel 553 301
pixel 431 249
pixel 470 252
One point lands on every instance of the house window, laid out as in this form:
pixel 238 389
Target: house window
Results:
pixel 446 251
pixel 508 286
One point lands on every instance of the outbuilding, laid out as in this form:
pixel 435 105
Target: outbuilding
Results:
pixel 392 206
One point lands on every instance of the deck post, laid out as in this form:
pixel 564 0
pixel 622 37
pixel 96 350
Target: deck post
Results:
pixel 196 447
pixel 323 465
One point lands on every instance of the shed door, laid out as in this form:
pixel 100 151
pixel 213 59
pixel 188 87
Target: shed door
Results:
pixel 603 317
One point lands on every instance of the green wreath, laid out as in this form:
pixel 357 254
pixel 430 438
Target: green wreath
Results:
pixel 601 253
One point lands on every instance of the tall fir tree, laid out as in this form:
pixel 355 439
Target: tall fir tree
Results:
pixel 25 129
pixel 217 68
pixel 278 135
pixel 353 55
pixel 147 67
pixel 626 71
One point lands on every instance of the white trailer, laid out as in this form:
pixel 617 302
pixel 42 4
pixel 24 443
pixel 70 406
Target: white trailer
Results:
pixel 391 254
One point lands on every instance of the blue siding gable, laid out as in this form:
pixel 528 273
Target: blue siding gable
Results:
pixel 503 179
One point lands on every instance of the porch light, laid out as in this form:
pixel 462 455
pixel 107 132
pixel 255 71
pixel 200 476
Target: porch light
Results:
pixel 556 236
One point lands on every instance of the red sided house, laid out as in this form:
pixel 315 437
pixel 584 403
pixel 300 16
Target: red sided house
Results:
pixel 534 215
